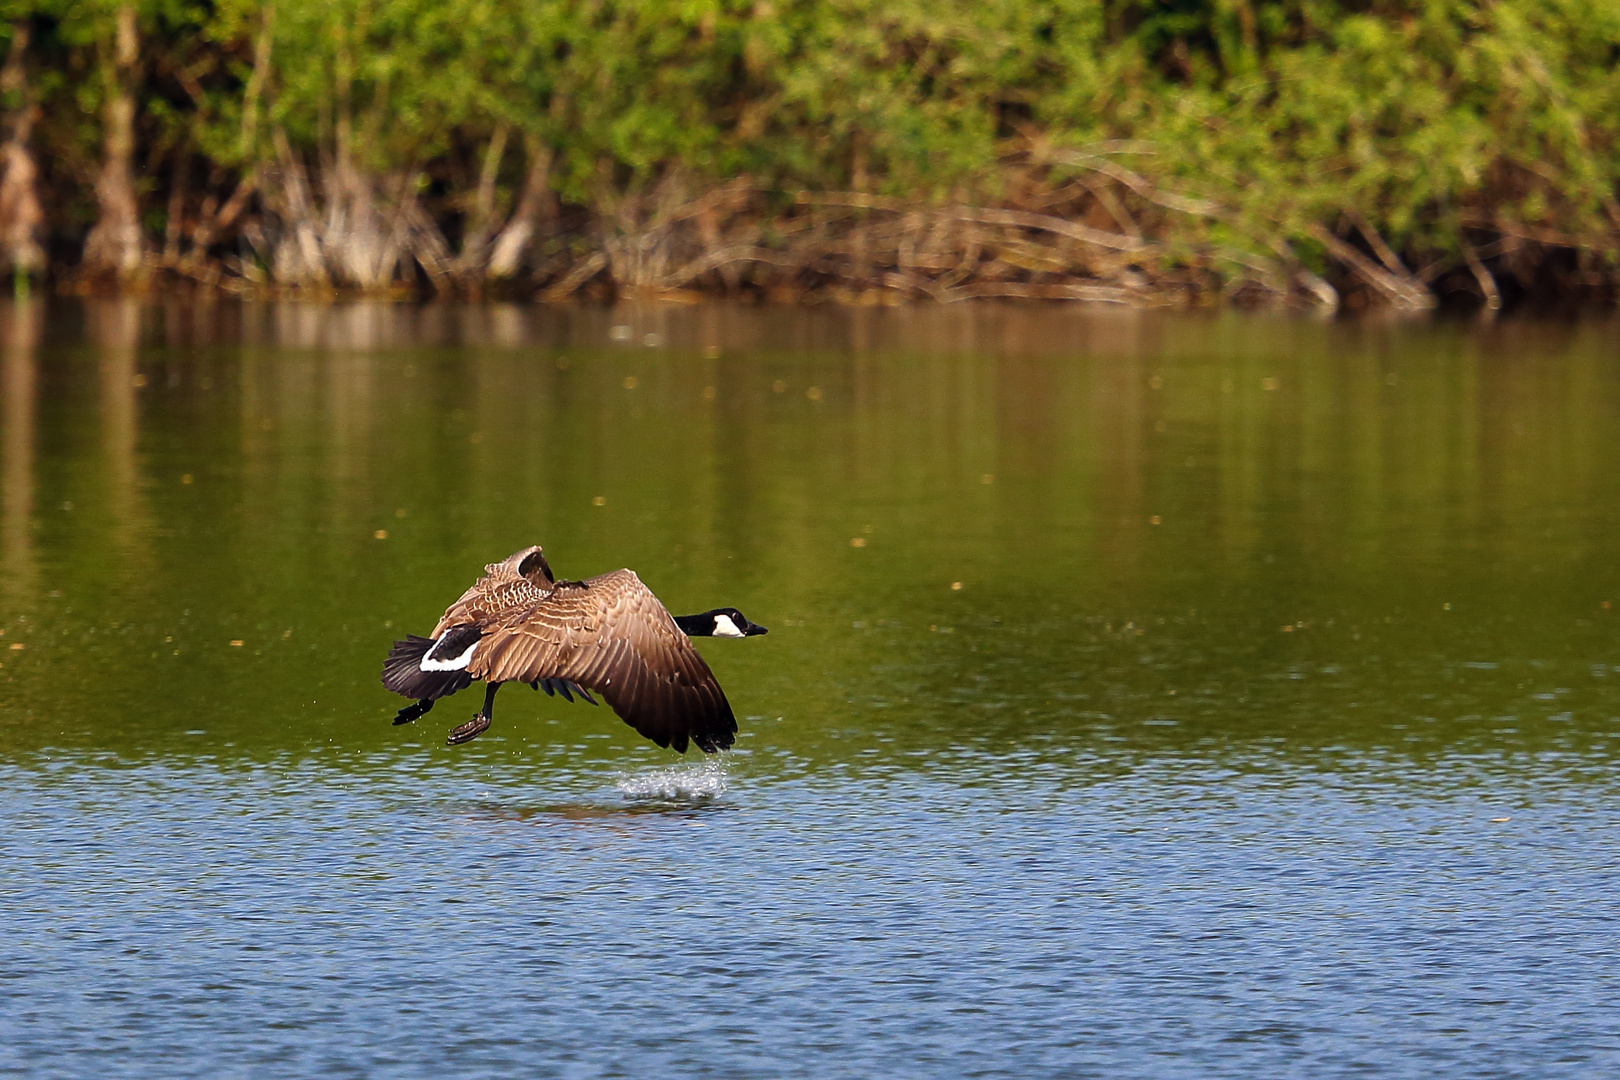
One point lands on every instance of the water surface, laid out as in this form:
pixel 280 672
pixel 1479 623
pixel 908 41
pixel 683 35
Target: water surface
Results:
pixel 1192 695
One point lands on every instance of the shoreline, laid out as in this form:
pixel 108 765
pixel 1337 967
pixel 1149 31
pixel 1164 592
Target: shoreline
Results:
pixel 1320 157
pixel 849 249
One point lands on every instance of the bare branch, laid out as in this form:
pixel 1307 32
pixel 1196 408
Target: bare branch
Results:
pixel 1482 277
pixel 578 276
pixel 1385 253
pixel 1403 291
pixel 1142 186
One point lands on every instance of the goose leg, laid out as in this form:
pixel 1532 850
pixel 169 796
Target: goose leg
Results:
pixel 413 712
pixel 478 724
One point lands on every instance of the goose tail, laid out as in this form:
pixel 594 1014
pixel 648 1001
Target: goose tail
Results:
pixel 402 672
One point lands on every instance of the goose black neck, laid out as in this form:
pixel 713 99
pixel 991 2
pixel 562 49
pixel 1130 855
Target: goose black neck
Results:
pixel 696 625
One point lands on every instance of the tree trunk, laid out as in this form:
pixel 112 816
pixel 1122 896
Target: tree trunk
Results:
pixel 114 245
pixel 298 259
pixel 211 222
pixel 20 212
pixel 469 263
pixel 536 207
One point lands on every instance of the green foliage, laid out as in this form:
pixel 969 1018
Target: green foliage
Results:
pixel 1420 115
pixel 1507 108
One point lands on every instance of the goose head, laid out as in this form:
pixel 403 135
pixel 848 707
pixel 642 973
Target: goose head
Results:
pixel 720 622
pixel 534 567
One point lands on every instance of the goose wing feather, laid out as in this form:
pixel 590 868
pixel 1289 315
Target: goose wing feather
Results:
pixel 611 635
pixel 501 593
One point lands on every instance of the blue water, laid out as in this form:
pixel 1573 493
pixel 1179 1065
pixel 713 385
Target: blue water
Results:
pixel 1020 919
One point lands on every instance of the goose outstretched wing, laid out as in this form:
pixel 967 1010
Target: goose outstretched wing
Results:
pixel 611 635
pixel 511 586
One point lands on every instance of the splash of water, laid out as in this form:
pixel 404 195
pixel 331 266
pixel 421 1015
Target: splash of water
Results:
pixel 690 781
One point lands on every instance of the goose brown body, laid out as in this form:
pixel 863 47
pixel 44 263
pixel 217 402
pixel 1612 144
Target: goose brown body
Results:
pixel 609 634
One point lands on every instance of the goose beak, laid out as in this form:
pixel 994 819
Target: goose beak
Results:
pixel 754 630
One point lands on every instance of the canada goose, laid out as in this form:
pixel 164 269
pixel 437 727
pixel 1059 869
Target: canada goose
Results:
pixel 610 634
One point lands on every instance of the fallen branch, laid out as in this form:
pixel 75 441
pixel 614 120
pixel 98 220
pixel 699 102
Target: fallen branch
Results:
pixel 1142 186
pixel 1010 290
pixel 714 260
pixel 577 277
pixel 1550 237
pixel 1403 292
pixel 1021 219
pixel 1385 253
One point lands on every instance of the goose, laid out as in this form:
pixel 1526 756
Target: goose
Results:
pixel 609 634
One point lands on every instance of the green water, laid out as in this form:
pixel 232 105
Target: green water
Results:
pixel 1320 600
pixel 1283 535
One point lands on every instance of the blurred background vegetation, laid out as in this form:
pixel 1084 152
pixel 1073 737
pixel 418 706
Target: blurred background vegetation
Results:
pixel 1402 152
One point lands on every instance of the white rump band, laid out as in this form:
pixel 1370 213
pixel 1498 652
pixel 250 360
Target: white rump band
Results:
pixel 454 664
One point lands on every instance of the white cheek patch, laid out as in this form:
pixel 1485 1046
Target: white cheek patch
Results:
pixel 455 664
pixel 724 627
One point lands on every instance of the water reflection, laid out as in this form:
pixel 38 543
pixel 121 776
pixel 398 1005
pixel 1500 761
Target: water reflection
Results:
pixel 1022 530
pixel 19 333
pixel 115 330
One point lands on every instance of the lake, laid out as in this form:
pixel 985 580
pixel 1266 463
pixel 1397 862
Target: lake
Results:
pixel 1146 695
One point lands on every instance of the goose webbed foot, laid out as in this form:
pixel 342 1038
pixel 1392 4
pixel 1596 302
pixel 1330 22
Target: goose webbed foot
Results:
pixel 413 712
pixel 478 724
pixel 468 732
